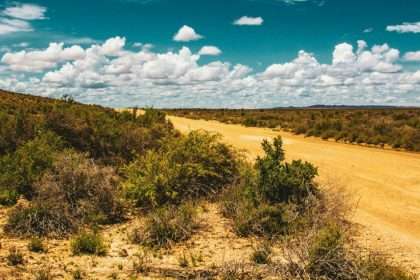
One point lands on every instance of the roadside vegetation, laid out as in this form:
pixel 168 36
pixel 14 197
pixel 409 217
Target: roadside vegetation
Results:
pixel 398 128
pixel 85 178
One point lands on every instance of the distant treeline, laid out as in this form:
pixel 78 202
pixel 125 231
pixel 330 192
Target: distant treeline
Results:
pixel 395 127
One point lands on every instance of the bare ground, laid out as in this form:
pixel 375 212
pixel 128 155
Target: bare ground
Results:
pixel 386 183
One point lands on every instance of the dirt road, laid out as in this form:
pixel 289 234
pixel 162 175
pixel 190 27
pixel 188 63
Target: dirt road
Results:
pixel 386 182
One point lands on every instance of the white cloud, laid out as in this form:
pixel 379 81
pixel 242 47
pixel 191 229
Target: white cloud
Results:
pixel 16 18
pixel 26 12
pixel 343 53
pixel 245 20
pixel 405 28
pixel 210 50
pixel 13 25
pixel 368 30
pixel 113 46
pixel 186 34
pixel 412 56
pixel 111 74
pixel 34 61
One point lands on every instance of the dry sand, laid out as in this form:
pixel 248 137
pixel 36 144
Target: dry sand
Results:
pixel 386 183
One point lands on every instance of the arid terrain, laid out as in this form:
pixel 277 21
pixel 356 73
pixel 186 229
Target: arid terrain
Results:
pixel 384 183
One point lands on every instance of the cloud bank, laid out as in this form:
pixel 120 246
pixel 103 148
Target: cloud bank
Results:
pixel 111 74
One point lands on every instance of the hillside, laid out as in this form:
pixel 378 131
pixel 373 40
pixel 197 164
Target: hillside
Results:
pixel 90 193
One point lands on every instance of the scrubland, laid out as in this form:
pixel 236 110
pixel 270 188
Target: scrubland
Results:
pixel 91 193
pixel 397 128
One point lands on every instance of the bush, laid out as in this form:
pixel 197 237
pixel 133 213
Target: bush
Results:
pixel 75 191
pixel 379 268
pixel 168 225
pixel 88 243
pixel 15 257
pixel 8 197
pixel 281 182
pixel 44 274
pixel 262 253
pixel 187 167
pixel 39 220
pixel 23 168
pixel 327 256
pixel 36 245
pixel 271 197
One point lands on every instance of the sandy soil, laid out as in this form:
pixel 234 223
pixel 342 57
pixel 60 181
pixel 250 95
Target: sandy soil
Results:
pixel 213 245
pixel 386 183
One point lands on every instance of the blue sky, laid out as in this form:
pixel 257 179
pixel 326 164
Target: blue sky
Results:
pixel 190 53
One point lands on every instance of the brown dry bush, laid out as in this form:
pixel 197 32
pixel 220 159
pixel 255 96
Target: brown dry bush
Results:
pixel 167 225
pixel 75 191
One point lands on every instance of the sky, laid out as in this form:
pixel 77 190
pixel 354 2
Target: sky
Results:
pixel 213 53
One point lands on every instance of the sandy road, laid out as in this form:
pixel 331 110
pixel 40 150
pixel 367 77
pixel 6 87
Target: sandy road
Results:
pixel 386 182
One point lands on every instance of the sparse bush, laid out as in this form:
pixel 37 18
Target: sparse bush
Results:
pixel 327 257
pixel 75 191
pixel 262 253
pixel 168 225
pixel 376 267
pixel 36 245
pixel 88 243
pixel 44 274
pixel 189 167
pixel 38 220
pixel 15 257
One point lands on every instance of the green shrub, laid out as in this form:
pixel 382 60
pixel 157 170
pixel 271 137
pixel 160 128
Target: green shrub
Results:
pixel 88 243
pixel 15 257
pixel 281 182
pixel 8 197
pixel 23 168
pixel 187 167
pixel 36 245
pixel 168 225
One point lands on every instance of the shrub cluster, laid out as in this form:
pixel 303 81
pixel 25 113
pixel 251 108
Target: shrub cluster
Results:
pixel 396 127
pixel 167 225
pixel 34 129
pixel 187 167
pixel 74 191
pixel 330 253
pixel 88 243
pixel 272 195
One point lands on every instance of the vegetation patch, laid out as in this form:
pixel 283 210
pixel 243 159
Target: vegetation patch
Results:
pixel 88 243
pixel 396 127
pixel 75 191
pixel 184 168
pixel 168 225
pixel 272 196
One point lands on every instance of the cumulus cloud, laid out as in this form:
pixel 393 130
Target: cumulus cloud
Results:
pixel 186 34
pixel 113 75
pixel 210 50
pixel 405 28
pixel 26 11
pixel 246 20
